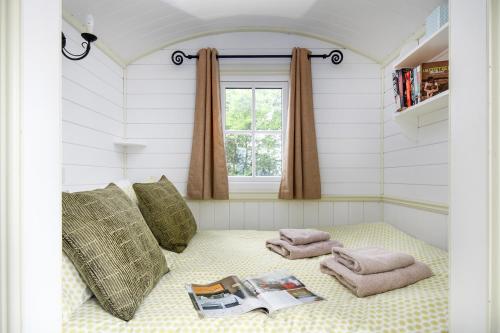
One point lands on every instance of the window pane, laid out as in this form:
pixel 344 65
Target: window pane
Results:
pixel 268 155
pixel 239 154
pixel 238 109
pixel 268 109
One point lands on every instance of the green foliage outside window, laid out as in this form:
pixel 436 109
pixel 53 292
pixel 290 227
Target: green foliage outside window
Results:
pixel 242 131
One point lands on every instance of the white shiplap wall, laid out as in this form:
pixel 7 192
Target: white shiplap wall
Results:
pixel 93 117
pixel 275 214
pixel 416 170
pixel 159 113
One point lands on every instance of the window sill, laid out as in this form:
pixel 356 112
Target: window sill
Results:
pixel 253 196
pixel 252 187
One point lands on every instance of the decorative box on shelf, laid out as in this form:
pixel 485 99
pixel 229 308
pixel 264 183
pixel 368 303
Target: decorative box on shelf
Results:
pixel 437 18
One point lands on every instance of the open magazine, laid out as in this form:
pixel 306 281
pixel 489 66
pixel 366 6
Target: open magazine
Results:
pixel 231 296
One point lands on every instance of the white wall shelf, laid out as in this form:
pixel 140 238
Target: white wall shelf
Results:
pixel 436 44
pixel 129 144
pixel 408 118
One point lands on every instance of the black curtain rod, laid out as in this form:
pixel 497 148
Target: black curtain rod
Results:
pixel 336 56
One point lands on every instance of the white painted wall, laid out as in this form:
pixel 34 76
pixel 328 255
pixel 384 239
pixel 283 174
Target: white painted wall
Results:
pixel 92 118
pixel 416 170
pixel 159 99
pixel 160 108
pixel 469 167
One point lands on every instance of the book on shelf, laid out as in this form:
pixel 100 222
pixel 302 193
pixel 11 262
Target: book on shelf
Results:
pixel 408 85
pixel 414 85
pixel 395 89
pixel 434 79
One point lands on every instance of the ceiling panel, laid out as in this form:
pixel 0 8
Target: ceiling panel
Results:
pixel 132 28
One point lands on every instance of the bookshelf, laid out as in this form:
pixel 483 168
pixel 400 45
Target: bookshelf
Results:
pixel 436 44
pixel 129 144
pixel 429 49
pixel 408 118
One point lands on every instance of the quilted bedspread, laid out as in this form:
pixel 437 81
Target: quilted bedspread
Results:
pixel 212 255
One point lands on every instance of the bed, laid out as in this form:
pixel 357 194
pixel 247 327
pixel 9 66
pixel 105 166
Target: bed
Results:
pixel 211 255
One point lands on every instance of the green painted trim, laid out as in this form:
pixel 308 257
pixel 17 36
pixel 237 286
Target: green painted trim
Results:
pixel 71 20
pixel 11 96
pixel 253 29
pixel 494 241
pixel 382 128
pixel 274 196
pixel 421 205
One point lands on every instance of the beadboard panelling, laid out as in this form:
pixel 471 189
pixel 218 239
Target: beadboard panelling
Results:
pixel 160 106
pixel 92 118
pixel 275 214
pixel 416 170
pixel 428 226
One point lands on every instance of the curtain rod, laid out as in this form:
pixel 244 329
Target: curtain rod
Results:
pixel 336 56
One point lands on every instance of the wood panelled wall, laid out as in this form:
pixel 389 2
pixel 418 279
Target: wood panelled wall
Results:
pixel 160 103
pixel 416 170
pixel 347 100
pixel 362 152
pixel 93 117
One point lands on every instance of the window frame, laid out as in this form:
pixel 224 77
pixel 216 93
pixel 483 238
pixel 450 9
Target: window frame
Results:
pixel 283 85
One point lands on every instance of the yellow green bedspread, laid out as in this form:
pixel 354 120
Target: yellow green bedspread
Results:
pixel 212 255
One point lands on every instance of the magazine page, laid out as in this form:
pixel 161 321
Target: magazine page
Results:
pixel 223 298
pixel 280 290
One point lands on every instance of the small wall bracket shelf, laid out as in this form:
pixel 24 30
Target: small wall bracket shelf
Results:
pixel 129 144
pixel 436 44
pixel 336 56
pixel 408 118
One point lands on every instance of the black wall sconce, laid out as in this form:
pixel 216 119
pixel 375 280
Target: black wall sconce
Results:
pixel 87 36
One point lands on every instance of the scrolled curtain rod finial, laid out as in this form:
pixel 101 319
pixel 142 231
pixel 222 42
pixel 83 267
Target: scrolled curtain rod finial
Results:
pixel 337 56
pixel 178 57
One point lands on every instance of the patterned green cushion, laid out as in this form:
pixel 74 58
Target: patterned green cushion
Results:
pixel 106 238
pixel 166 213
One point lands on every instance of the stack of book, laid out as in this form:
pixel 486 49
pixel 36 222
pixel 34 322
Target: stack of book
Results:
pixel 414 85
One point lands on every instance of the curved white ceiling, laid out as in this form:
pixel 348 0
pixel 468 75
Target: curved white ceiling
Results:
pixel 132 28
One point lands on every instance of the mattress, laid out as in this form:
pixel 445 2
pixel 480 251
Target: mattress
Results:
pixel 212 255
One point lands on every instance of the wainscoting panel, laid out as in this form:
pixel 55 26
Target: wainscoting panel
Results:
pixel 276 214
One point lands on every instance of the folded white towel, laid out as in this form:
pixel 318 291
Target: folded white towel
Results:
pixel 303 236
pixel 370 260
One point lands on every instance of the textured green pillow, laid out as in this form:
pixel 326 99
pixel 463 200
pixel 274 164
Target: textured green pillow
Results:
pixel 108 241
pixel 166 213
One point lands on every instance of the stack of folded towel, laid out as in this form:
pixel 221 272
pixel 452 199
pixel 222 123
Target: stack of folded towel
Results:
pixel 369 271
pixel 302 243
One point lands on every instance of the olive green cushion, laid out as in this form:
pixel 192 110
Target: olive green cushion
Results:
pixel 166 213
pixel 111 246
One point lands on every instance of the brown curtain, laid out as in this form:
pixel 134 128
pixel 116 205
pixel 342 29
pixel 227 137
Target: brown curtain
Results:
pixel 300 179
pixel 207 171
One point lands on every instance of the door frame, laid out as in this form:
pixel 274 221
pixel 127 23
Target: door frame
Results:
pixel 30 166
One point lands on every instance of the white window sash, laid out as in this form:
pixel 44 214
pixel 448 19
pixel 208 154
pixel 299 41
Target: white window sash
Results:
pixel 254 182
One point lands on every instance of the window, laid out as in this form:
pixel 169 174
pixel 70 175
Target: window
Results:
pixel 253 120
